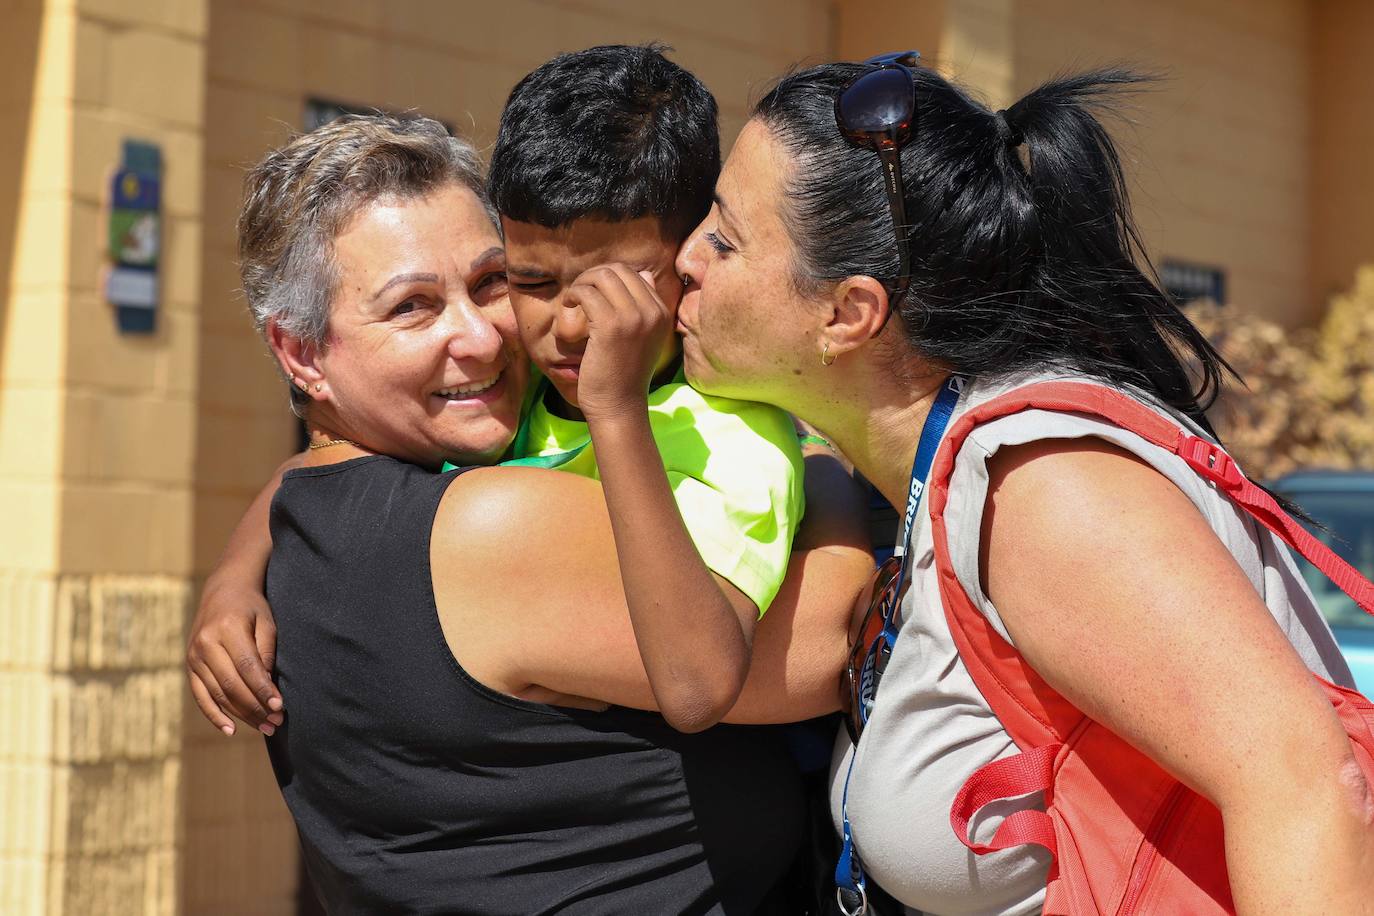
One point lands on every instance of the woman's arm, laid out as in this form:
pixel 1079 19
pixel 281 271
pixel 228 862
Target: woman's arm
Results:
pixel 528 587
pixel 232 644
pixel 1120 595
pixel 797 656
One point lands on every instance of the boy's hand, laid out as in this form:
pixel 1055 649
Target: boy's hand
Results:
pixel 229 659
pixel 628 328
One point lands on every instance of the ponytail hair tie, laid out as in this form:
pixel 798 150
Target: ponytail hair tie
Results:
pixel 1006 132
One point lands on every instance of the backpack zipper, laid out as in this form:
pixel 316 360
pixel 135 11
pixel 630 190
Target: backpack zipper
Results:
pixel 1145 867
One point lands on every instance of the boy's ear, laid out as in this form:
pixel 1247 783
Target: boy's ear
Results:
pixel 858 311
pixel 297 358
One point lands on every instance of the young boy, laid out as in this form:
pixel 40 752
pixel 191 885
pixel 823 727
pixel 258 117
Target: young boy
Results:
pixel 605 161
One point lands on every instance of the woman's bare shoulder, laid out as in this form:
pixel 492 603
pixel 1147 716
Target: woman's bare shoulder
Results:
pixel 491 513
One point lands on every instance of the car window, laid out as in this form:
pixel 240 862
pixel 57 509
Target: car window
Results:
pixel 1349 519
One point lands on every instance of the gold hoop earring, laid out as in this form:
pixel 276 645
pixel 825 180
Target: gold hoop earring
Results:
pixel 824 353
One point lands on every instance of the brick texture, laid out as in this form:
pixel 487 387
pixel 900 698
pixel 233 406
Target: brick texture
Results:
pixel 95 459
pixel 90 759
pixel 1212 181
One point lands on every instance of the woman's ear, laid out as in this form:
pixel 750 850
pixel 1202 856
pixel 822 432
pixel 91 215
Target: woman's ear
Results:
pixel 858 312
pixel 297 358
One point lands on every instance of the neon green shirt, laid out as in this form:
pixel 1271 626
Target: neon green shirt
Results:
pixel 735 469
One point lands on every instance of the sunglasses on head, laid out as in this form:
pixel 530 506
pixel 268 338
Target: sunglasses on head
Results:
pixel 871 647
pixel 877 111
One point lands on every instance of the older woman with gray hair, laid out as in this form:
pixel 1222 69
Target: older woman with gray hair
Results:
pixel 450 746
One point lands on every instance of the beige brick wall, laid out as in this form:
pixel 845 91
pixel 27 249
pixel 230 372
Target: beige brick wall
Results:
pixel 1341 100
pixel 1218 153
pixel 96 432
pixel 34 223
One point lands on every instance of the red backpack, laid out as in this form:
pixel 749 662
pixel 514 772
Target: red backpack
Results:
pixel 1126 837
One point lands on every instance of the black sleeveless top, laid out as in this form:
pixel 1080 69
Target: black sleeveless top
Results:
pixel 416 789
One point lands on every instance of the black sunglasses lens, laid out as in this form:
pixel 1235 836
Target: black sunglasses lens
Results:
pixel 879 102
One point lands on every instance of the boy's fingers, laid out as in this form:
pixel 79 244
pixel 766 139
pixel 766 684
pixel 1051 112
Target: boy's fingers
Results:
pixel 593 302
pixel 242 702
pixel 627 291
pixel 638 290
pixel 216 695
pixel 657 300
pixel 256 668
pixel 632 304
pixel 208 708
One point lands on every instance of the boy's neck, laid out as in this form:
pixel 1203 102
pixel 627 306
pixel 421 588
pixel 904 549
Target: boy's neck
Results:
pixel 559 407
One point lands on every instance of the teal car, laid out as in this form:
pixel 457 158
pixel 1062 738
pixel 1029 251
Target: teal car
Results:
pixel 1342 502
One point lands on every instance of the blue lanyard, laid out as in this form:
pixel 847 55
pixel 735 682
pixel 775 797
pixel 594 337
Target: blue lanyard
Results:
pixel 849 872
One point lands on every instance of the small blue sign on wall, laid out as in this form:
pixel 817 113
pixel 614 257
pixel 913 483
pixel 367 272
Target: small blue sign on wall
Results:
pixel 135 238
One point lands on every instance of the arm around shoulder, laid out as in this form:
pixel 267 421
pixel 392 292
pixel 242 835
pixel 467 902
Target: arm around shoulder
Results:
pixel 231 647
pixel 527 582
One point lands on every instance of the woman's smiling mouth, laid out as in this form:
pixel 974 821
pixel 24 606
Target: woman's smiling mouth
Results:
pixel 483 391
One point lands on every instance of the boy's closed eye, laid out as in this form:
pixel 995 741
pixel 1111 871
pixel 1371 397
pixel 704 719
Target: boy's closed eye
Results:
pixel 529 281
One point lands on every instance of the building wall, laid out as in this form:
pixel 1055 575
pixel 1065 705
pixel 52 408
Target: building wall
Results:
pixel 1218 151
pixel 95 449
pixel 30 419
pixel 456 62
pixel 1341 102
pixel 1219 154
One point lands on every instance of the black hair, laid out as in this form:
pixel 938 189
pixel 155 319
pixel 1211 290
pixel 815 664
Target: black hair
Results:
pixel 614 132
pixel 1024 253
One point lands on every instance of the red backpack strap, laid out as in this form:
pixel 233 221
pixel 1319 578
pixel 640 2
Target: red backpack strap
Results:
pixel 1009 777
pixel 1033 713
pixel 1205 458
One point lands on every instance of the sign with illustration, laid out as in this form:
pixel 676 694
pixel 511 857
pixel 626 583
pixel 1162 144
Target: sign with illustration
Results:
pixel 135 237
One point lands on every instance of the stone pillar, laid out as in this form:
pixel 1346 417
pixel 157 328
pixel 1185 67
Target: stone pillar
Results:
pixel 96 440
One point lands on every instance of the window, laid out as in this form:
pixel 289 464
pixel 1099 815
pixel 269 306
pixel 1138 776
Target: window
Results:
pixel 1186 282
pixel 319 112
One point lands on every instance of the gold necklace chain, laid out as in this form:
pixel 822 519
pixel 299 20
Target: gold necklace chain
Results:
pixel 328 442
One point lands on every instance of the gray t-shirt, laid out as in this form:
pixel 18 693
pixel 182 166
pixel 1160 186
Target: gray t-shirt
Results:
pixel 931 728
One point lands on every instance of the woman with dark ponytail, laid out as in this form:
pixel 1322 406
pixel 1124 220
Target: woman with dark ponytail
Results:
pixel 887 258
